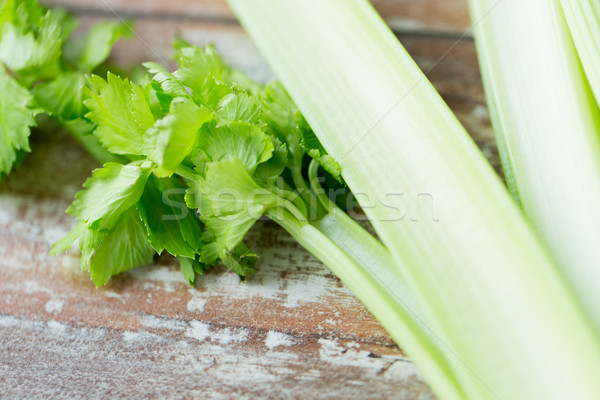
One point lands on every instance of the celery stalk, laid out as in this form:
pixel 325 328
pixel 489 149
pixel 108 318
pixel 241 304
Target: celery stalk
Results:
pixel 485 282
pixel 395 316
pixel 583 18
pixel 545 115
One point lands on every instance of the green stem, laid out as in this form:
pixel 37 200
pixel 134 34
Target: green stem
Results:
pixel 186 173
pixel 394 315
pixel 317 189
pixel 308 196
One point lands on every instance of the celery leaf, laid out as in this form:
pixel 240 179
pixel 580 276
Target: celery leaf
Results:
pixel 172 138
pixel 170 225
pixel 110 191
pixel 16 118
pixel 122 114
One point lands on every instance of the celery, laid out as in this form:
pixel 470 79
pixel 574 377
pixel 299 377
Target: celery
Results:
pixel 485 282
pixel 583 18
pixel 548 123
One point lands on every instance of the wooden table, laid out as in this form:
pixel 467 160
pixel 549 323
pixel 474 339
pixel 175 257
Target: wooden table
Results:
pixel 291 331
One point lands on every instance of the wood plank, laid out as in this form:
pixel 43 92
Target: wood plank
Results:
pixel 448 16
pixel 148 333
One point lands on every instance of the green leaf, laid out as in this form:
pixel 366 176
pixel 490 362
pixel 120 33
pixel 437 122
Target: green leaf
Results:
pixel 21 12
pixel 240 260
pixel 228 233
pixel 228 141
pixel 63 96
pixel 172 138
pixel 240 107
pixel 196 64
pixel 269 170
pixel 187 268
pixel 33 53
pixel 229 230
pixel 121 112
pixel 170 224
pixel 228 189
pixel 16 117
pixel 158 100
pixel 169 84
pixel 279 112
pixel 64 244
pixel 99 41
pixel 111 252
pixel 313 147
pixel 211 93
pixel 110 191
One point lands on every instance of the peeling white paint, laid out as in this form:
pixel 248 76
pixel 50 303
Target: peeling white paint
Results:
pixel 402 371
pixel 306 291
pixel 198 330
pixel 54 306
pixel 271 284
pixel 348 355
pixel 111 295
pixel 202 331
pixel 57 326
pixel 196 304
pixel 163 323
pixel 140 336
pixel 129 336
pixel 275 339
pixel 158 273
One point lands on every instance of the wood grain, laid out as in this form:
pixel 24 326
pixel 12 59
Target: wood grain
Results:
pixel 293 326
pixel 427 16
pixel 292 331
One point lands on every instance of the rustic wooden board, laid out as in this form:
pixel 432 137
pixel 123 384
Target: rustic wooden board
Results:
pixel 292 331
pixel 427 16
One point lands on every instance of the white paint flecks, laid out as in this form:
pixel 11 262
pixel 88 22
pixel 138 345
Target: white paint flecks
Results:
pixel 129 336
pixel 54 306
pixel 158 273
pixel 272 282
pixel 163 323
pixel 306 291
pixel 402 371
pixel 140 336
pixel 275 339
pixel 57 326
pixel 198 330
pixel 202 331
pixel 111 295
pixel 348 355
pixel 196 304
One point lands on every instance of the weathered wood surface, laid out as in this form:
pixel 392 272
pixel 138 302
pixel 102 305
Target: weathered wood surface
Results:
pixel 292 331
pixel 426 16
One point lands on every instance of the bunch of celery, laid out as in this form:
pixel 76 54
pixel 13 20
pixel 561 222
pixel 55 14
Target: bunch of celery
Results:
pixel 236 151
pixel 195 157
pixel 488 288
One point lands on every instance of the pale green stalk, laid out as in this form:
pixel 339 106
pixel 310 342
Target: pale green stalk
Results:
pixel 583 18
pixel 395 317
pixel 548 124
pixel 512 328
